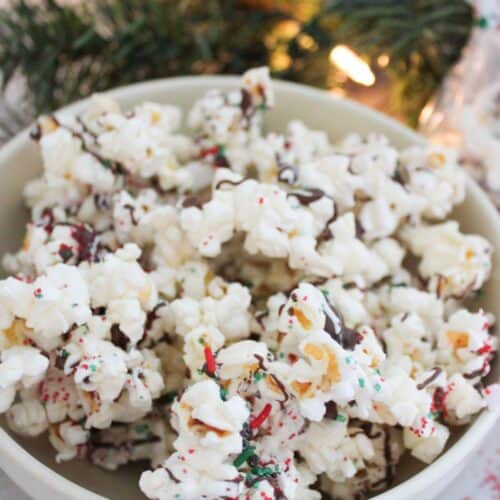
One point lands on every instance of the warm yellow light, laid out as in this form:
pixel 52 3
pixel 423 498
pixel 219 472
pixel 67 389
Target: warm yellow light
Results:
pixel 288 29
pixel 352 65
pixel 338 92
pixel 306 42
pixel 426 112
pixel 280 61
pixel 383 60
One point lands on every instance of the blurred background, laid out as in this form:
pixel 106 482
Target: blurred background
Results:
pixel 390 54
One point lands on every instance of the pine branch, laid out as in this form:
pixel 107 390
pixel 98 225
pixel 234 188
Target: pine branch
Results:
pixel 67 52
pixel 423 38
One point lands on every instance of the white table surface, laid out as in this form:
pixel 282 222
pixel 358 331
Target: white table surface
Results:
pixel 481 481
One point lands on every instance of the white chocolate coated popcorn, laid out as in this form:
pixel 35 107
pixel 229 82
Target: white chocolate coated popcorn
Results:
pixel 251 314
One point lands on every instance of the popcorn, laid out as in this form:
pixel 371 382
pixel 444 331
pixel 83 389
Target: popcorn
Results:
pixel 50 304
pixel 146 439
pixel 434 174
pixel 426 448
pixel 254 315
pixel 21 366
pixel 320 458
pixel 465 345
pixel 455 264
pixel 226 307
pixel 203 419
pixel 67 438
pixel 27 418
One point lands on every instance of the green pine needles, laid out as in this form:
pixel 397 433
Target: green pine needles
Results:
pixel 67 52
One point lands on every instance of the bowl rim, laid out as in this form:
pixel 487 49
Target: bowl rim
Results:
pixel 14 457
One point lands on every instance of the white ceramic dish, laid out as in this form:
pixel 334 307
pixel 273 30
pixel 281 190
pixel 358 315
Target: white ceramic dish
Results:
pixel 30 463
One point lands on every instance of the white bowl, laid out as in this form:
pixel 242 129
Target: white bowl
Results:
pixel 30 462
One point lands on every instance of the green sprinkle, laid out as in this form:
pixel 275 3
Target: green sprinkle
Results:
pixel 340 418
pixel 325 292
pixel 398 285
pixel 192 270
pixel 482 22
pixel 93 368
pixel 201 341
pixel 223 393
pixel 377 371
pixel 244 456
pixel 361 382
pixel 262 471
pixel 168 397
pixel 258 376
pixel 106 163
pixel 142 428
pixel 377 387
pixel 282 355
pixel 348 360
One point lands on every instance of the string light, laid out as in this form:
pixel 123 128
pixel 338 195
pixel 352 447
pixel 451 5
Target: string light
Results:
pixel 426 112
pixel 352 65
pixel 383 60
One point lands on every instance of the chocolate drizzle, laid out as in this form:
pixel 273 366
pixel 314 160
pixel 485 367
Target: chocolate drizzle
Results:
pixel 246 103
pixel 259 317
pixel 131 211
pixel 196 200
pixel 149 440
pixel 281 386
pixel 60 360
pixel 338 331
pixel 152 316
pixel 118 338
pixel 327 234
pixel 436 372
pixel 86 241
pixel 36 133
pixel 331 410
pixel 438 400
pixel 171 476
pixel 86 129
pixel 287 174
pixel 307 196
pixel 277 381
pixel 228 182
pixel 368 430
pixel 474 374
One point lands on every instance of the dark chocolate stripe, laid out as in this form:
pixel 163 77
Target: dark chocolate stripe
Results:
pixel 430 378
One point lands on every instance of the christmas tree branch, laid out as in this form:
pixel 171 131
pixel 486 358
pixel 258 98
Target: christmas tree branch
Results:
pixel 67 52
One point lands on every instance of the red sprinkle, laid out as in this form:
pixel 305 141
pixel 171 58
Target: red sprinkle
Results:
pixel 209 151
pixel 485 349
pixel 261 417
pixel 209 358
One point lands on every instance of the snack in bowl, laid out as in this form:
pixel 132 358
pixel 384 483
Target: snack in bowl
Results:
pixel 259 315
